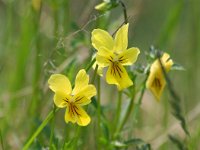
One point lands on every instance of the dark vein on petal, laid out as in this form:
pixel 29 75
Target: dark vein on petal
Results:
pixel 78 99
pixel 76 110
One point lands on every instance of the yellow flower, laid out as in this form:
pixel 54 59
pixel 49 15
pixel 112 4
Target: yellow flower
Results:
pixel 113 53
pixel 74 99
pixel 156 80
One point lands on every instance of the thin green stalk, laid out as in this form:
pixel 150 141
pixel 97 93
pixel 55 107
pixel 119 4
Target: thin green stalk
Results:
pixel 99 109
pixel 90 65
pixel 124 11
pixel 175 102
pixel 52 126
pixel 95 73
pixel 118 111
pixel 127 114
pixel 77 136
pixel 137 105
pixel 66 132
pixel 39 129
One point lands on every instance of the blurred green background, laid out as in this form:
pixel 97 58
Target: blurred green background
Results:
pixel 38 38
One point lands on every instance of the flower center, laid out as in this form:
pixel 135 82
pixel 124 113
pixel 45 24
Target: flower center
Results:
pixel 115 57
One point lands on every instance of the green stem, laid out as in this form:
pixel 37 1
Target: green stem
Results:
pixel 124 11
pixel 137 105
pixel 94 75
pixel 99 108
pixel 90 65
pixel 127 114
pixel 39 129
pixel 118 112
pixel 52 126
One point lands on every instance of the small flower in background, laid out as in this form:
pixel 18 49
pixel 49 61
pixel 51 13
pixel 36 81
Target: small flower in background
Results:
pixel 100 69
pixel 107 5
pixel 113 53
pixel 156 80
pixel 74 99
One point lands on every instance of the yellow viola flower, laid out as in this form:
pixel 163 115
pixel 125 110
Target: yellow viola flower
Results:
pixel 74 99
pixel 156 80
pixel 113 53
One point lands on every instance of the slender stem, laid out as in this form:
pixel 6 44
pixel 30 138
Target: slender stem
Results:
pixel 125 11
pixel 52 126
pixel 176 99
pixel 39 129
pixel 137 105
pixel 95 73
pixel 66 132
pixel 99 108
pixel 77 135
pixel 127 114
pixel 90 65
pixel 118 112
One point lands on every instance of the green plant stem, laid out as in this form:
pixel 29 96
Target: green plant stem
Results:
pixel 99 108
pixel 39 129
pixel 124 11
pixel 90 65
pixel 94 75
pixel 52 126
pixel 118 111
pixel 127 114
pixel 137 105
pixel 176 99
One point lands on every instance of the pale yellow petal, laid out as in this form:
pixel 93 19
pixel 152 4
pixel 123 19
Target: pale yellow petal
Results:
pixel 83 119
pixel 101 38
pixel 99 70
pixel 103 51
pixel 121 38
pixel 84 97
pixel 116 74
pixel 102 61
pixel 69 117
pixel 61 99
pixel 59 82
pixel 128 57
pixel 82 80
pixel 104 57
pixel 156 83
pixel 166 61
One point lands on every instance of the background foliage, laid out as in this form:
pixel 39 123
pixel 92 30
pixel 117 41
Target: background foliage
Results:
pixel 34 43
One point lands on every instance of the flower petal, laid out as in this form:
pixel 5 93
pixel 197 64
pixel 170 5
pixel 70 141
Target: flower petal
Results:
pixel 59 82
pixel 104 57
pixel 69 117
pixel 61 99
pixel 156 83
pixel 121 38
pixel 83 97
pixel 166 61
pixel 102 61
pixel 101 38
pixel 83 119
pixel 128 57
pixel 117 74
pixel 81 81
